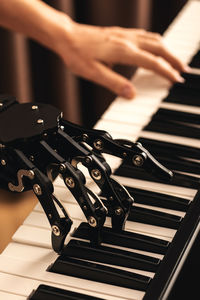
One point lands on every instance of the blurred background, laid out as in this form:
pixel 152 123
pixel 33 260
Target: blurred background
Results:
pixel 32 73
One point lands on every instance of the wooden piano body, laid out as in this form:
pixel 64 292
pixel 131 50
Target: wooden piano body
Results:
pixel 24 262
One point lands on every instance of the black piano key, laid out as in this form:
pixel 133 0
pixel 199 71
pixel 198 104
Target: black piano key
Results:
pixel 126 239
pixel 173 159
pixel 46 292
pixel 183 95
pixel 153 217
pixel 149 216
pixel 158 199
pixel 109 255
pixel 157 147
pixel 173 115
pixel 179 164
pixel 174 128
pixel 178 179
pixel 97 272
pixel 192 81
pixel 195 62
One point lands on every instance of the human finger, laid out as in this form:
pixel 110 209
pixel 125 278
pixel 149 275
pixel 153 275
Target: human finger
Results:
pixel 159 65
pixel 126 52
pixel 101 74
pixel 130 54
pixel 158 48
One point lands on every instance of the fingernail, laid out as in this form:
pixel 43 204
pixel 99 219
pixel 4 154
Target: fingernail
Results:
pixel 187 69
pixel 180 79
pixel 128 92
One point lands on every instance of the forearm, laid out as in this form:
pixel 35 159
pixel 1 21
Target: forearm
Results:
pixel 34 19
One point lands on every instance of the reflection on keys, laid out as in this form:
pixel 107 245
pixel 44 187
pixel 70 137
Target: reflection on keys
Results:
pixel 164 224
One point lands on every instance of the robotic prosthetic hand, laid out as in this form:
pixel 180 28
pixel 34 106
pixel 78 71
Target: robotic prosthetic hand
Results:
pixel 37 145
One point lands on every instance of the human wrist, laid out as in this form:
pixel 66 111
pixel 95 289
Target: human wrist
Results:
pixel 59 31
pixel 38 21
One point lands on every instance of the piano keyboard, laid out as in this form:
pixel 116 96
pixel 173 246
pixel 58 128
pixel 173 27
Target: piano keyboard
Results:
pixel 133 272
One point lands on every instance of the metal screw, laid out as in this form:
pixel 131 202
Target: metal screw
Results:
pixel 3 162
pixel 31 174
pixel 56 230
pixel 88 160
pixel 34 107
pixel 124 154
pixel 98 144
pixel 96 174
pixel 37 189
pixel 31 158
pixel 62 167
pixel 1 104
pixel 85 207
pixel 40 121
pixel 92 221
pixel 118 211
pixel 70 182
pixel 85 137
pixel 138 160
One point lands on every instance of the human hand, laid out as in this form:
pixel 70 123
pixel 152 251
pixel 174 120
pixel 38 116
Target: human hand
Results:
pixel 89 51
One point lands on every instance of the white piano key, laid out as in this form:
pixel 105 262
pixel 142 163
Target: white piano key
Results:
pixel 33 236
pixel 195 71
pixel 8 296
pixel 73 210
pixel 149 83
pixel 181 107
pixel 114 128
pixel 171 138
pixel 127 117
pixel 14 287
pixel 158 187
pixel 143 104
pixel 21 254
pixel 19 251
pixel 186 28
pixel 36 221
pixel 124 130
pixel 39 220
pixel 151 230
pixel 64 192
pixel 36 268
pixel 161 209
